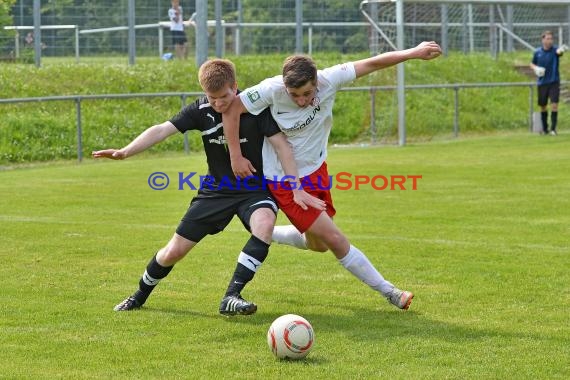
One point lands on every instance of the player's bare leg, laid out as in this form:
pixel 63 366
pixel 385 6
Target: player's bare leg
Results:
pixel 324 232
pixel 158 268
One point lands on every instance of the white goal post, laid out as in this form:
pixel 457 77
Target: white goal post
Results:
pixel 399 44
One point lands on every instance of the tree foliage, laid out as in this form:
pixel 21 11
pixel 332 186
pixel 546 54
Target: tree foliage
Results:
pixel 5 20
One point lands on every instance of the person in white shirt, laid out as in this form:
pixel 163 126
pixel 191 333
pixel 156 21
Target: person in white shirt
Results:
pixel 301 102
pixel 179 39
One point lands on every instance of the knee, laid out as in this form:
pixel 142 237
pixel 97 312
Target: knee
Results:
pixel 262 226
pixel 317 243
pixel 171 254
pixel 337 240
pixel 317 246
pixel 322 241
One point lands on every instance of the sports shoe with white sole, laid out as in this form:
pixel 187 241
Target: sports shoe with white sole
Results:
pixel 233 305
pixel 400 298
pixel 129 303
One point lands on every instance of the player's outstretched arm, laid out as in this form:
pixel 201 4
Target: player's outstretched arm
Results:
pixel 426 50
pixel 145 140
pixel 285 154
pixel 241 166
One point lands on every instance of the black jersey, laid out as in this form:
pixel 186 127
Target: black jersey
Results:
pixel 252 131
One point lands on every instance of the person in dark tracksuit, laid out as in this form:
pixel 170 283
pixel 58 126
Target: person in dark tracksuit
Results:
pixel 545 64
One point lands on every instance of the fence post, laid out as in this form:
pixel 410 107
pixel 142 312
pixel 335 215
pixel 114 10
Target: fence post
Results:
pixel 531 107
pixel 492 32
pixel 373 35
pixel 131 33
pixel 400 75
pixel 76 43
pixel 465 29
pixel 160 41
pixel 238 29
pixel 79 130
pixel 219 30
pixel 444 26
pixel 299 26
pixel 310 40
pixel 456 114
pixel 17 43
pixel 373 131
pixel 471 31
pixel 568 21
pixel 510 17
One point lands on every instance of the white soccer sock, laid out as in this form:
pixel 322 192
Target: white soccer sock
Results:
pixel 358 264
pixel 289 235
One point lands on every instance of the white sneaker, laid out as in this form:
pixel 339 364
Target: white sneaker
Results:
pixel 400 299
pixel 553 133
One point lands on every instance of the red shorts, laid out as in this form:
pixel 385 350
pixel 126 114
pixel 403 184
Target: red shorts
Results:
pixel 317 184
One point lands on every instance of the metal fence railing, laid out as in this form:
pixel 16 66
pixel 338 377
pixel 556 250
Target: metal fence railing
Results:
pixel 371 90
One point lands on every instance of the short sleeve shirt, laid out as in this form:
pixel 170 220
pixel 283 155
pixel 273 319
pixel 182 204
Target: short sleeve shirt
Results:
pixel 308 128
pixel 550 61
pixel 253 129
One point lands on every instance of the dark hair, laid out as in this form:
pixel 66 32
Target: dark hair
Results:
pixel 216 73
pixel 298 70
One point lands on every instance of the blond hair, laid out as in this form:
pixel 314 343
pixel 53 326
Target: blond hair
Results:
pixel 216 73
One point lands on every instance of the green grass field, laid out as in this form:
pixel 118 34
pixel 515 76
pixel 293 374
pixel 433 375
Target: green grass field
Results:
pixel 483 242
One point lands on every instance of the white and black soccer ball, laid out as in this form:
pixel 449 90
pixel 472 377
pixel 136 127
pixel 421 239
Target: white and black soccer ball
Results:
pixel 290 337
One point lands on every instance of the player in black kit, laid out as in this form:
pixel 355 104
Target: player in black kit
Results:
pixel 224 196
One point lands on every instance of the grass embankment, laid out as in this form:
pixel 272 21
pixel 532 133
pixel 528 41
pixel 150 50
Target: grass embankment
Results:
pixel 47 130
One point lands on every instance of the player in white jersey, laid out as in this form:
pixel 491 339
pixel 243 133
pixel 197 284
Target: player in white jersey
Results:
pixel 301 101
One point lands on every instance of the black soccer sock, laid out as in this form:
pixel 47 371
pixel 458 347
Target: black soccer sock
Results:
pixel 544 117
pixel 151 277
pixel 250 259
pixel 554 119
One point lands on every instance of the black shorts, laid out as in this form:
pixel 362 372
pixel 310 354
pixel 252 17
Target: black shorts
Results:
pixel 210 213
pixel 548 91
pixel 178 37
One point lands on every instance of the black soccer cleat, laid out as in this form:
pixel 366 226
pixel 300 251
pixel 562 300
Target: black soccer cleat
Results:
pixel 233 305
pixel 130 303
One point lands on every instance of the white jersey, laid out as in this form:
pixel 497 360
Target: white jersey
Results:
pixel 308 128
pixel 176 22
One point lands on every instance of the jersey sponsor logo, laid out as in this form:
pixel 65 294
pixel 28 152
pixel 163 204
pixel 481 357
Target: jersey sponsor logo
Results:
pixel 253 96
pixel 221 140
pixel 213 119
pixel 300 124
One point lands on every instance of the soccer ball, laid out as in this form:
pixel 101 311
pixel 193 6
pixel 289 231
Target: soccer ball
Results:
pixel 290 337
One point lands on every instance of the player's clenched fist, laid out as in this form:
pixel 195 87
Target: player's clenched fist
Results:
pixel 428 50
